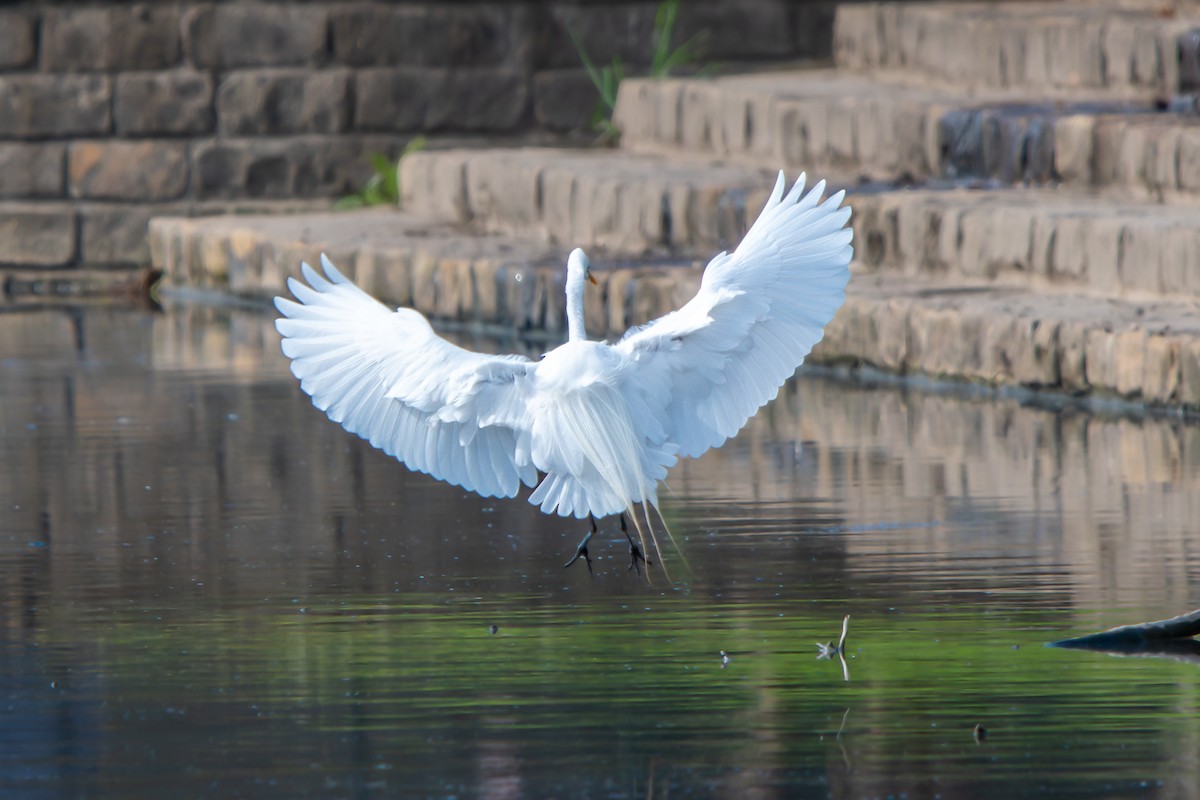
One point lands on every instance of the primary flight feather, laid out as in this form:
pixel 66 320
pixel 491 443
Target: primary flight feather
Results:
pixel 600 423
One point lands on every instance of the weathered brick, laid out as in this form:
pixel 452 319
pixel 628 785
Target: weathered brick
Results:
pixel 436 183
pixel 1160 377
pixel 1161 160
pixel 995 240
pixel 1100 359
pixel 391 99
pixel 37 236
pixel 895 339
pixel 811 24
pixel 140 36
pixel 1129 169
pixel 1188 392
pixel 18 45
pixel 564 100
pixel 115 235
pixel 623 30
pixel 116 170
pixel 32 170
pixel 280 101
pixel 230 169
pixel 1189 159
pixel 34 106
pixel 302 166
pixel 854 30
pixel 1129 357
pixel 1107 135
pixel 218 36
pixel 750 29
pixel 802 133
pixel 1188 48
pixel 1073 147
pixel 1102 251
pixel 1067 257
pixel 1180 270
pixel 1142 250
pixel 503 192
pixel 1072 356
pixel 469 99
pixel 177 102
pixel 429 35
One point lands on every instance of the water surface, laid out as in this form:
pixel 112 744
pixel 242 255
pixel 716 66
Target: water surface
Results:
pixel 208 590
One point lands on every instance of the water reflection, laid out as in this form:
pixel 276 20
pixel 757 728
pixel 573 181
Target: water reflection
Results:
pixel 209 590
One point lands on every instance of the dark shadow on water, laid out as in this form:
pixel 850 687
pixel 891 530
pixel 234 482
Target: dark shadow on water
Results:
pixel 210 590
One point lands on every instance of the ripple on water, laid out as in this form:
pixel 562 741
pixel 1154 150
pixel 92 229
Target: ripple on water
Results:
pixel 209 588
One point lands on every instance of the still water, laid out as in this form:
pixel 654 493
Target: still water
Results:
pixel 208 590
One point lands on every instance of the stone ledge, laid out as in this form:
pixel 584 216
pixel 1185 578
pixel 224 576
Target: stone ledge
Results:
pixel 1148 352
pixel 587 198
pixel 1035 45
pixel 1051 238
pixel 98 235
pixel 1035 239
pixel 405 259
pixel 1141 351
pixel 881 128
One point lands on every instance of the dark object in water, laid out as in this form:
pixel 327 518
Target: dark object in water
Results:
pixel 1168 636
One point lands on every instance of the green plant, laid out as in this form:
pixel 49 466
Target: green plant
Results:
pixel 663 60
pixel 382 188
pixel 606 80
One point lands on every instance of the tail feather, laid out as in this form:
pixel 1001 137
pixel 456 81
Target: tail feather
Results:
pixel 586 444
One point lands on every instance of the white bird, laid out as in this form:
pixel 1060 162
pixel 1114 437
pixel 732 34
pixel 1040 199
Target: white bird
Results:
pixel 600 423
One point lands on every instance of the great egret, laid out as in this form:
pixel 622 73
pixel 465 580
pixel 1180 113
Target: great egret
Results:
pixel 600 423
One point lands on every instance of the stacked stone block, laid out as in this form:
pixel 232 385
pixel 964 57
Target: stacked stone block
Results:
pixel 112 112
pixel 1034 46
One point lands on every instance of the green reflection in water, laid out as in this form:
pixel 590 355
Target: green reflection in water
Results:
pixel 575 696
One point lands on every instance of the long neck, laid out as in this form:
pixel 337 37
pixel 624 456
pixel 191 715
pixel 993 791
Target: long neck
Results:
pixel 575 331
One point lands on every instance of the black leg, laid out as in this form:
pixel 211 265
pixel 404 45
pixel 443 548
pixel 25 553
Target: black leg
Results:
pixel 582 550
pixel 635 552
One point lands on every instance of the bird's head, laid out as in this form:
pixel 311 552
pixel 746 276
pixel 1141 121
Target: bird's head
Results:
pixel 578 267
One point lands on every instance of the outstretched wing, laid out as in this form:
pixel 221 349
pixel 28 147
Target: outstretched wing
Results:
pixel 699 373
pixel 386 376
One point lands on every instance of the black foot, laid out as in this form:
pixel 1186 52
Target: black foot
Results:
pixel 635 552
pixel 582 550
pixel 635 555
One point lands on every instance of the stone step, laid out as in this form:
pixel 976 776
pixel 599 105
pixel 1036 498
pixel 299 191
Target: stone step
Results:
pixel 611 203
pixel 940 325
pixel 54 234
pixel 598 198
pixel 1069 342
pixel 882 129
pixel 404 259
pixel 1032 45
pixel 1034 239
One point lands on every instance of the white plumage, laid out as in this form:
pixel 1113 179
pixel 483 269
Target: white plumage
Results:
pixel 602 422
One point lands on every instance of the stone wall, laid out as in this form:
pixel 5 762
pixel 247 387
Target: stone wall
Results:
pixel 113 112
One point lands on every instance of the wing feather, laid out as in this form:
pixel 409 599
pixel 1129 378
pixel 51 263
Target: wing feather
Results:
pixel 386 376
pixel 702 371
